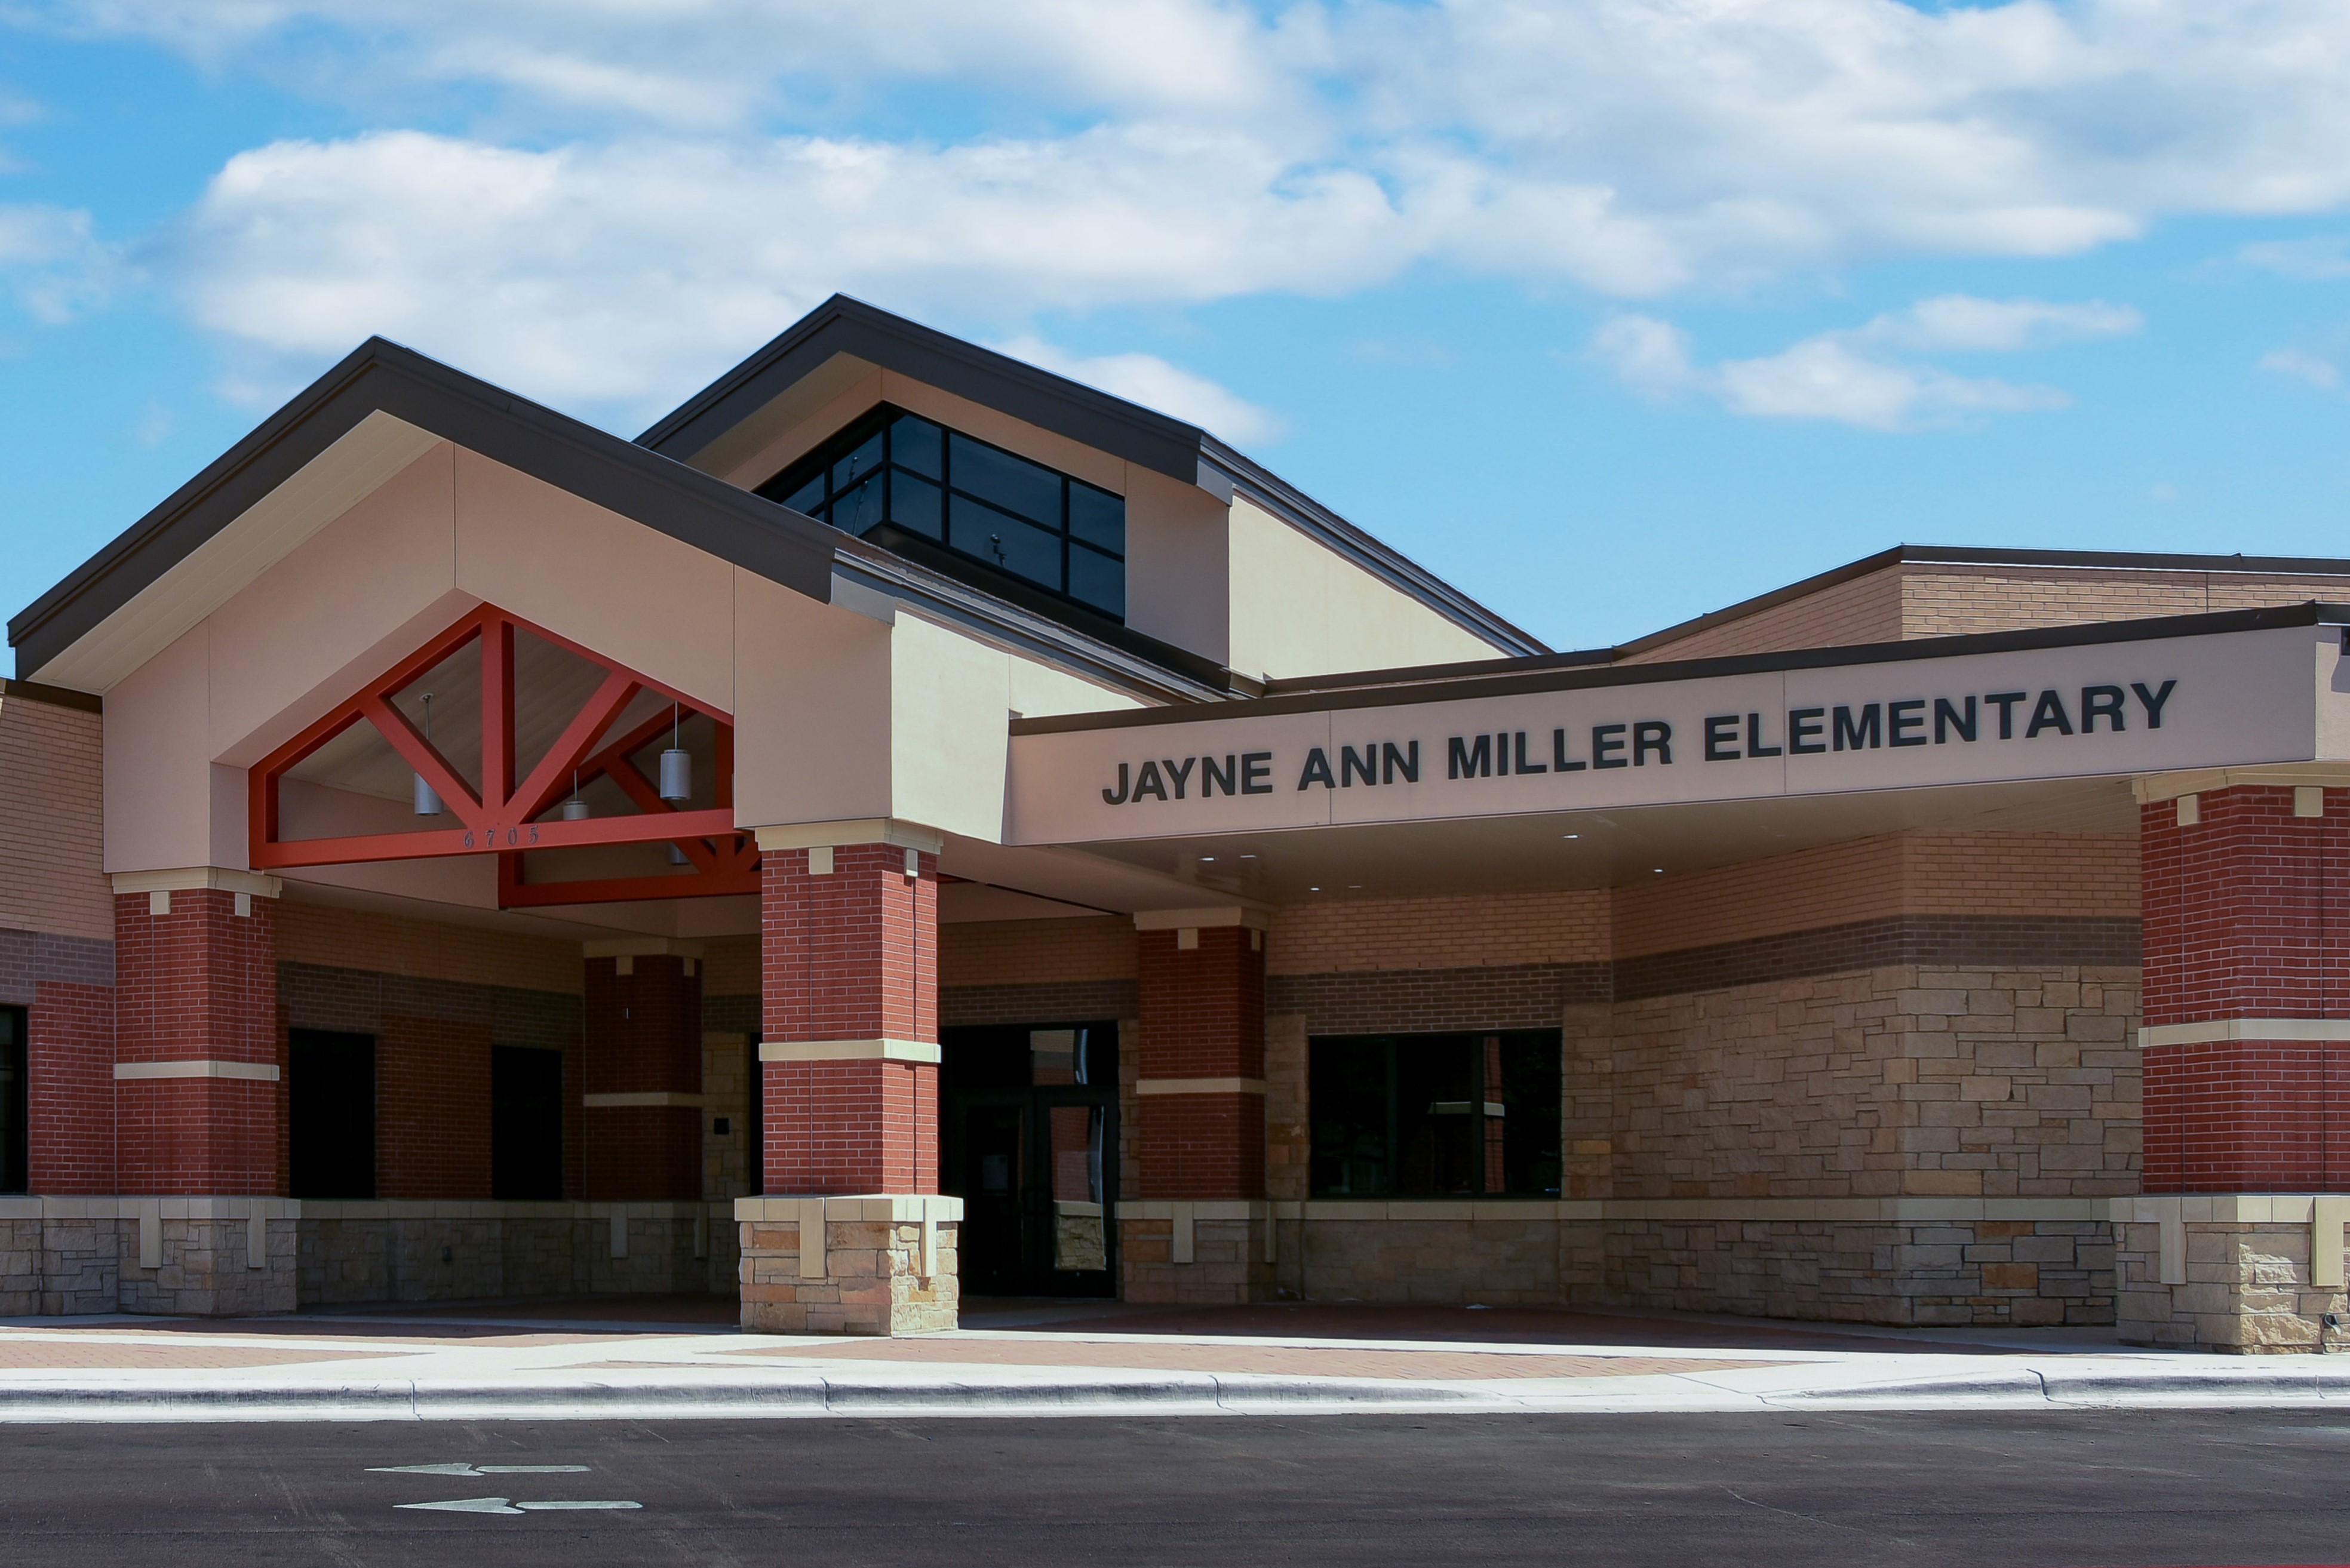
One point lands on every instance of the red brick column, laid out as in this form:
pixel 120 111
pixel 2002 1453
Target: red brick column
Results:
pixel 71 1091
pixel 643 1090
pixel 1197 1135
pixel 2247 925
pixel 199 1093
pixel 849 988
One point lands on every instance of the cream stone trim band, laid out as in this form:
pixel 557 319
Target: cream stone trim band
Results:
pixel 1200 1086
pixel 1202 919
pixel 854 830
pixel 640 947
pixel 2325 1214
pixel 255 1071
pixel 2267 775
pixel 809 1216
pixel 848 1051
pixel 642 1097
pixel 2220 1028
pixel 192 878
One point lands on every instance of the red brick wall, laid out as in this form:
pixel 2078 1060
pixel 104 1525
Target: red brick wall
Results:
pixel 70 1092
pixel 644 1035
pixel 199 983
pixel 2245 918
pixel 432 1109
pixel 1202 1017
pixel 2244 912
pixel 852 955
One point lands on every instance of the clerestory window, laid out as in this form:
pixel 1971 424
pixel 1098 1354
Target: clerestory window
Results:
pixel 894 476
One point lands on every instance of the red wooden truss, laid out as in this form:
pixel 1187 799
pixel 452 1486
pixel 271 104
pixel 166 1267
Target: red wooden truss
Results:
pixel 503 818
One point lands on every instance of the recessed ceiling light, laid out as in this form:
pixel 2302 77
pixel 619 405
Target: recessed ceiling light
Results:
pixel 1660 870
pixel 1314 889
pixel 1248 856
pixel 1354 886
pixel 1207 860
pixel 1575 835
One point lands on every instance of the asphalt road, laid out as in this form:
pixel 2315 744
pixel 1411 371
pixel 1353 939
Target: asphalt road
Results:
pixel 1997 1490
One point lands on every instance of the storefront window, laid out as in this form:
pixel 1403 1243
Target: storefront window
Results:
pixel 1436 1116
pixel 896 470
pixel 14 1143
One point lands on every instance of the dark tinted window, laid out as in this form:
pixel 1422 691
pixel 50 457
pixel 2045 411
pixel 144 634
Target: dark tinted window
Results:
pixel 893 474
pixel 15 1140
pixel 525 1124
pixel 330 1114
pixel 1436 1116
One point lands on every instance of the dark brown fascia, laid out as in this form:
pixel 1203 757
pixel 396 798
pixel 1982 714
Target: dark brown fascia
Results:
pixel 1083 414
pixel 665 495
pixel 1514 677
pixel 14 690
pixel 1970 556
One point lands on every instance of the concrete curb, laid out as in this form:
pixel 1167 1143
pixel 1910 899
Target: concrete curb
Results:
pixel 2062 1385
pixel 1182 1393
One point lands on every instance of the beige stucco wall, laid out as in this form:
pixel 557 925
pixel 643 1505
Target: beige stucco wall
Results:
pixel 839 715
pixel 1298 608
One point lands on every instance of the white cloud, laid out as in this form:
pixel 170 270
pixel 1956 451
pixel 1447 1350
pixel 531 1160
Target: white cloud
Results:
pixel 673 177
pixel 2316 259
pixel 2320 373
pixel 1824 378
pixel 1853 377
pixel 1963 322
pixel 54 262
pixel 1152 382
pixel 615 274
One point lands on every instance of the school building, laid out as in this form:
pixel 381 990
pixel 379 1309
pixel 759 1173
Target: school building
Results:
pixel 909 824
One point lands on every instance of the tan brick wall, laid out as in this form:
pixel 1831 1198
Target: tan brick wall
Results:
pixel 1037 952
pixel 1439 933
pixel 1934 599
pixel 52 833
pixel 730 965
pixel 1896 1082
pixel 1861 610
pixel 2047 874
pixel 428 950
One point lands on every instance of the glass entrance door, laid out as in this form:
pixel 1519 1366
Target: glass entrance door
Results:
pixel 1030 1144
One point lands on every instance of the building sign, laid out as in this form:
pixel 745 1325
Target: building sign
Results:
pixel 2103 708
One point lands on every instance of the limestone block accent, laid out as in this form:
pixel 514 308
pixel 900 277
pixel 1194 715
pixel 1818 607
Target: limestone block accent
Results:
pixel 206 1257
pixel 879 1264
pixel 1203 1251
pixel 429 1251
pixel 2240 1273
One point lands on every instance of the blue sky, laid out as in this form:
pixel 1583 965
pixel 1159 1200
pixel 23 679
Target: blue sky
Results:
pixel 1612 312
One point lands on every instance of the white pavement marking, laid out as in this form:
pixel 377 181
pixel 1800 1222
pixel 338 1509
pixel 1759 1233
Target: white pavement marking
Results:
pixel 463 1469
pixel 505 1509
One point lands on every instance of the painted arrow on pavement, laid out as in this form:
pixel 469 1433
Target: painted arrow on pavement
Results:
pixel 462 1469
pixel 499 1505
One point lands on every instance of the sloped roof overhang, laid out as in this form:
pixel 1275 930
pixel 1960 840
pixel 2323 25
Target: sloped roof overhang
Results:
pixel 408 402
pixel 697 431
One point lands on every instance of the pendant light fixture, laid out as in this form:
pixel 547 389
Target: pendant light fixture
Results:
pixel 676 855
pixel 575 809
pixel 676 764
pixel 428 801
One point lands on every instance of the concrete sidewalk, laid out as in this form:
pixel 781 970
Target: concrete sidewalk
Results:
pixel 579 1360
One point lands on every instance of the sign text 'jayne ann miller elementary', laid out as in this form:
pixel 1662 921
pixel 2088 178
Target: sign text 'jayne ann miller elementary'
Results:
pixel 1614 741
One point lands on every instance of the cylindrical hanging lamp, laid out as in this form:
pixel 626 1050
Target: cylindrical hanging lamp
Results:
pixel 428 801
pixel 676 764
pixel 575 809
pixel 678 857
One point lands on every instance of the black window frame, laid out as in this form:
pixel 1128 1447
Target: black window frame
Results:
pixel 1337 1139
pixel 882 420
pixel 15 1101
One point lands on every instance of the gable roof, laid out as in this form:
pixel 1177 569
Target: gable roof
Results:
pixel 382 378
pixel 842 325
